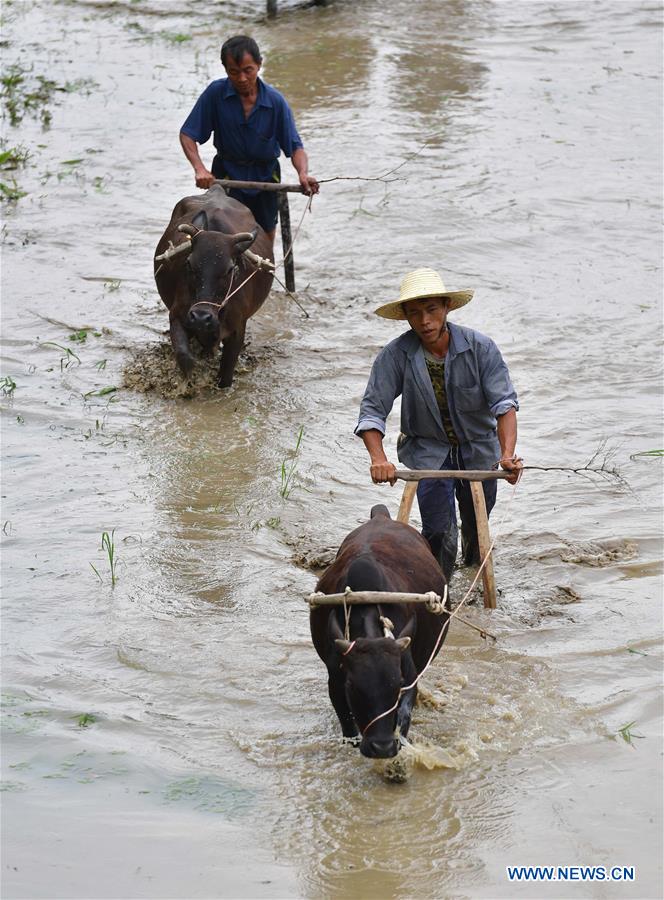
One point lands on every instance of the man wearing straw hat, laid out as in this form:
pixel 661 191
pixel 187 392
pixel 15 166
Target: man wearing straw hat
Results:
pixel 458 410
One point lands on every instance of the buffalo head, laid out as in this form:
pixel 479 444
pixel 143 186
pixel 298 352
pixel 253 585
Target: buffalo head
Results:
pixel 373 681
pixel 212 273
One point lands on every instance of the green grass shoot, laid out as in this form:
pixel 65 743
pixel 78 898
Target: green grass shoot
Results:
pixel 655 453
pixel 627 734
pixel 14 157
pixel 108 544
pixel 79 336
pixel 101 392
pixel 11 192
pixel 8 385
pixel 174 37
pixel 287 471
pixel 86 719
pixel 68 357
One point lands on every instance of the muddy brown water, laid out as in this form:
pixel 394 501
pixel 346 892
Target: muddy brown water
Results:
pixel 171 736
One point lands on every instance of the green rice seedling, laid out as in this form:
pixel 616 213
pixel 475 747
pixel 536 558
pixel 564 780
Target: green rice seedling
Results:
pixel 22 93
pixel 11 192
pixel 654 453
pixel 69 355
pixel 287 472
pixel 86 719
pixel 174 37
pixel 112 285
pixel 81 335
pixel 14 158
pixel 11 83
pixel 627 734
pixel 8 385
pixel 20 419
pixel 101 392
pixel 101 365
pixel 108 544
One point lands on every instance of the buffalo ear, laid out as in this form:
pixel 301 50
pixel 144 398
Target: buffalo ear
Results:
pixel 342 646
pixel 244 240
pixel 403 643
pixel 200 221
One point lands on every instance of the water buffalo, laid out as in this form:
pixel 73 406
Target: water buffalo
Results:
pixel 213 231
pixel 367 672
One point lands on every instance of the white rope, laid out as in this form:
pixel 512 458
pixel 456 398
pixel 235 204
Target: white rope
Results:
pixel 388 626
pixel 347 610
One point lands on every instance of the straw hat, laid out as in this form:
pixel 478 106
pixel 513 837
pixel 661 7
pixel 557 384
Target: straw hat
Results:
pixel 419 285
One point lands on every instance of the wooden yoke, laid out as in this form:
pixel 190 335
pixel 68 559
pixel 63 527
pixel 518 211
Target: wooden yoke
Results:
pixel 411 477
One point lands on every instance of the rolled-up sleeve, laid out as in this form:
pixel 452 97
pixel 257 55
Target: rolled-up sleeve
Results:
pixel 496 383
pixel 384 386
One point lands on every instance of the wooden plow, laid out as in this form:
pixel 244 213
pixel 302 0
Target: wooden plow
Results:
pixel 284 216
pixel 475 477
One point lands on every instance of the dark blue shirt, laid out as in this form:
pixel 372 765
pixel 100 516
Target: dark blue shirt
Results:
pixel 249 148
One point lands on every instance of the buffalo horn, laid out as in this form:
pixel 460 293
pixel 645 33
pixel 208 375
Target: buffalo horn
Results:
pixel 191 230
pixel 342 646
pixel 244 239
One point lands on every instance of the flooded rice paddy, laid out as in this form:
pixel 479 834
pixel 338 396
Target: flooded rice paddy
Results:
pixel 167 731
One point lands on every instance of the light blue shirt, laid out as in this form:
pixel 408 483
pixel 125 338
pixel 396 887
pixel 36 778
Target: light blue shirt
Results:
pixel 478 388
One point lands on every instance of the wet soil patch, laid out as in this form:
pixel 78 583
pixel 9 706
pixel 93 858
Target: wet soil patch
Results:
pixel 153 369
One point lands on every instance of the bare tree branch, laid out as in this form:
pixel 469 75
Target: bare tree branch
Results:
pixel 599 465
pixel 385 176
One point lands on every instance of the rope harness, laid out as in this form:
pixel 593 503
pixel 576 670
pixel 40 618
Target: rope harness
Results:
pixel 256 260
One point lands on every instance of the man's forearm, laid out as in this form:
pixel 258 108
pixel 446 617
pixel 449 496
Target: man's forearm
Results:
pixel 300 161
pixel 190 148
pixel 204 178
pixel 373 441
pixel 507 431
pixel 381 468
